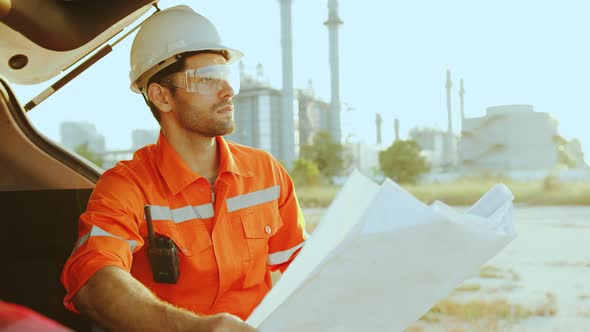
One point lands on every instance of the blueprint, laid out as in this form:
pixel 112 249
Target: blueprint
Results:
pixel 380 259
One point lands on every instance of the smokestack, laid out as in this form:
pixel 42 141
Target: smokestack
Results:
pixel 378 121
pixel 449 148
pixel 287 130
pixel 259 72
pixel 332 23
pixel 242 70
pixel 396 126
pixel 461 98
pixel 448 87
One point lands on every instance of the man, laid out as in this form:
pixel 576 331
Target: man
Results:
pixel 223 215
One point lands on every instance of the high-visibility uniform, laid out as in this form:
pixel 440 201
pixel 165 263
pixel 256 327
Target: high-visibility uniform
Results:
pixel 229 235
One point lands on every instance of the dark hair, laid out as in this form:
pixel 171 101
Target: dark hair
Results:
pixel 177 67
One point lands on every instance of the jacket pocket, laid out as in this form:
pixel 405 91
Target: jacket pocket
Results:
pixel 190 237
pixel 259 225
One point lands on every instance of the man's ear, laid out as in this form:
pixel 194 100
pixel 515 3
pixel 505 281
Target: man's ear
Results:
pixel 160 97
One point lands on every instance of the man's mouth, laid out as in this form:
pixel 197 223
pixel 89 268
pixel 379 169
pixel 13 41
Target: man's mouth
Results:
pixel 225 108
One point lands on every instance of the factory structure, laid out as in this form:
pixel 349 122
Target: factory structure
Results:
pixel 280 120
pixel 508 139
pixel 259 124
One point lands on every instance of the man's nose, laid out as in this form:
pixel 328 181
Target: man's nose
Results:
pixel 226 90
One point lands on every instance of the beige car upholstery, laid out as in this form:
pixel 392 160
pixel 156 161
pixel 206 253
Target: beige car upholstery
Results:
pixel 43 191
pixel 24 165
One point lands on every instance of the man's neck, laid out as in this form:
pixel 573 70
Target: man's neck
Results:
pixel 198 152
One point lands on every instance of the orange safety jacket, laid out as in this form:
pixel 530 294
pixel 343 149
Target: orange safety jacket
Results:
pixel 229 235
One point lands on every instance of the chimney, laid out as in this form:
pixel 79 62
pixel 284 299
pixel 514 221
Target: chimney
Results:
pixel 448 87
pixel 449 149
pixel 287 119
pixel 396 126
pixel 462 98
pixel 242 70
pixel 332 23
pixel 378 121
pixel 259 72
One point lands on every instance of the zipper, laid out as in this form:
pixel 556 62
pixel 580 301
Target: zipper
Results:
pixel 212 194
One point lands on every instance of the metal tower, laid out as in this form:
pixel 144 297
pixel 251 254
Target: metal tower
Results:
pixel 333 23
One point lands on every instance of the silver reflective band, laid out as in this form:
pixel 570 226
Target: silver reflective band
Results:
pixel 283 256
pixel 252 199
pixel 97 231
pixel 182 214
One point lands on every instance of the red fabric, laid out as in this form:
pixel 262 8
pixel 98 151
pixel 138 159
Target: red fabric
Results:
pixel 14 317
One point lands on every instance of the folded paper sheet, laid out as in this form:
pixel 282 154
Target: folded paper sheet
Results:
pixel 380 259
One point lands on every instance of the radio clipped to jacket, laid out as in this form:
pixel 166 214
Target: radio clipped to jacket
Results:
pixel 162 253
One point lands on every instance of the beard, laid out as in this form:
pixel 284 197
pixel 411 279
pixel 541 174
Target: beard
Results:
pixel 205 121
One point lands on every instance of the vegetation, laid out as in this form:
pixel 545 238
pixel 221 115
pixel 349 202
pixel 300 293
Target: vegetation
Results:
pixel 325 159
pixel 305 173
pixel 490 272
pixel 326 154
pixel 481 315
pixel 476 310
pixel 468 288
pixel 313 197
pixel 402 162
pixel 465 192
pixel 563 155
pixel 85 152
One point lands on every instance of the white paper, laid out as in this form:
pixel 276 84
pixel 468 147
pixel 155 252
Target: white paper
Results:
pixel 380 259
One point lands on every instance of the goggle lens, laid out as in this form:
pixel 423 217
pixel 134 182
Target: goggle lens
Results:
pixel 210 79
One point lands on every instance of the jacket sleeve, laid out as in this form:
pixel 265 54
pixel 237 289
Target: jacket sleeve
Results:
pixel 290 238
pixel 108 232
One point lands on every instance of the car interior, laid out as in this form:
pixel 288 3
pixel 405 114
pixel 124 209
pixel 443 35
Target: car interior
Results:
pixel 44 187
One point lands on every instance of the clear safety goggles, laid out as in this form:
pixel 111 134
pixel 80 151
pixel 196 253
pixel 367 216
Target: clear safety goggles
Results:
pixel 207 80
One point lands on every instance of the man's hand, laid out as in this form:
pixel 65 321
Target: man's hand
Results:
pixel 111 291
pixel 225 323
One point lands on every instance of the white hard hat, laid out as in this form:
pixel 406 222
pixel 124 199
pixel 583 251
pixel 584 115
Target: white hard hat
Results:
pixel 167 33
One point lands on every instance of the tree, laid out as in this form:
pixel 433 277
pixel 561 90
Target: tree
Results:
pixel 305 173
pixel 92 156
pixel 402 162
pixel 326 153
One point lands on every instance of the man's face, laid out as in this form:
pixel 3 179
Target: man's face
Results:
pixel 208 115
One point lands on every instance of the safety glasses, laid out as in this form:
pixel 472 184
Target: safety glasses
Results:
pixel 207 80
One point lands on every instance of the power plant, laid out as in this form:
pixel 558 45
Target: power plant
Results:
pixel 281 133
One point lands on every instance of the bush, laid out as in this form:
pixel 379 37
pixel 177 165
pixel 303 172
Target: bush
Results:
pixel 327 154
pixel 402 162
pixel 551 183
pixel 305 173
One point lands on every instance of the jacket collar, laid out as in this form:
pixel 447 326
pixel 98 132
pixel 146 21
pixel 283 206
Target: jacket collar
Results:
pixel 178 175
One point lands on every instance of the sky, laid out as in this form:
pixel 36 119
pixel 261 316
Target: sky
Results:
pixel 393 61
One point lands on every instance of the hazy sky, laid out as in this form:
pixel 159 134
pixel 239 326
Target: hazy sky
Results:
pixel 393 59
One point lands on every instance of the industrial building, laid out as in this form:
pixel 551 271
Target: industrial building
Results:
pixel 260 124
pixel 75 134
pixel 281 120
pixel 510 137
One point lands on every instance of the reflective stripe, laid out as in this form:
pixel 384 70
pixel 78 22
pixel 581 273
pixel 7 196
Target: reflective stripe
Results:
pixel 97 231
pixel 81 241
pixel 283 256
pixel 182 214
pixel 253 198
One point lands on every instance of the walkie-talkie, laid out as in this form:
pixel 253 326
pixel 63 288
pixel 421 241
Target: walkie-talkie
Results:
pixel 162 253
